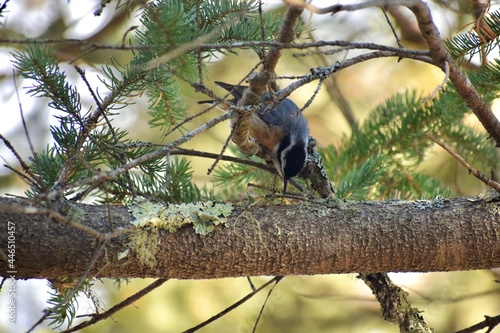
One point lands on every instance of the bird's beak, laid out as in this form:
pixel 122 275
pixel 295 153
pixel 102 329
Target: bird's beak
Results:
pixel 285 180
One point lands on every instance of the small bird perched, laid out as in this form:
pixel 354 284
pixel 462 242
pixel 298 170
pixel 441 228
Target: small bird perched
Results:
pixel 282 130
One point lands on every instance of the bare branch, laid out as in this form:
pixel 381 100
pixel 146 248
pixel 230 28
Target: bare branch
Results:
pixel 389 22
pixel 488 181
pixel 233 306
pixel 129 300
pixel 488 322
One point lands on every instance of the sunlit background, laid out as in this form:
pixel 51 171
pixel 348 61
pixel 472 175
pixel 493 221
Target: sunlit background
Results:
pixel 333 303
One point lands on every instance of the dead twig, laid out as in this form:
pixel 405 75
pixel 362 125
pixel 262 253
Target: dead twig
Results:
pixel 476 173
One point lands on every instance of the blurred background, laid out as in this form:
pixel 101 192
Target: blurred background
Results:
pixel 334 303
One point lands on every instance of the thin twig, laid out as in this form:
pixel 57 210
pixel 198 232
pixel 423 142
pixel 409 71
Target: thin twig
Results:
pixel 441 85
pixel 21 175
pixel 333 89
pixel 101 112
pixel 313 96
pixel 398 41
pixel 184 48
pixel 30 176
pixel 488 322
pixel 200 47
pixel 25 127
pixel 74 290
pixel 262 31
pixel 320 72
pixel 32 209
pixel 264 304
pixel 129 300
pixel 252 286
pixel 233 306
pixel 459 158
pixel 221 153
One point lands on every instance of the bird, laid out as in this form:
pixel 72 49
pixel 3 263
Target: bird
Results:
pixel 282 130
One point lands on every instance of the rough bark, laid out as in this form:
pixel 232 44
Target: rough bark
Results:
pixel 305 238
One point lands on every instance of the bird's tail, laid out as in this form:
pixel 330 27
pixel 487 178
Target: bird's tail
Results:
pixel 236 91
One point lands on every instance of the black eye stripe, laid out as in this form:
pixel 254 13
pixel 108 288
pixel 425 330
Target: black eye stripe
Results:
pixel 285 143
pixel 291 158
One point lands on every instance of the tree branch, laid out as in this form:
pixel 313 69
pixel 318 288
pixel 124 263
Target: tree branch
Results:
pixel 395 306
pixel 112 174
pixel 439 55
pixel 108 313
pixel 310 238
pixel 488 181
pixel 258 82
pixel 488 322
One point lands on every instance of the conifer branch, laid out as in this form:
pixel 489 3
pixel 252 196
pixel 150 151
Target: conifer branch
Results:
pixel 438 53
pixel 113 174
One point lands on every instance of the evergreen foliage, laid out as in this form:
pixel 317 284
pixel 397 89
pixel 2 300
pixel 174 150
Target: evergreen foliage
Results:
pixel 234 178
pixel 63 308
pixel 169 25
pixel 396 132
pixel 480 40
pixel 88 149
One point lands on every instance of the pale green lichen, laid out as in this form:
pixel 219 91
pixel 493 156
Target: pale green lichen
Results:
pixel 144 242
pixel 437 202
pixel 150 217
pixel 123 254
pixel 490 196
pixel 202 215
pixel 493 208
pixel 145 212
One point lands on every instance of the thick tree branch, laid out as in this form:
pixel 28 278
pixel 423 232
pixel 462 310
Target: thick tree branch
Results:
pixel 310 238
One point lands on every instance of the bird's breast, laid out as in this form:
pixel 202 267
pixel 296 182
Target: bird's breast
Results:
pixel 266 135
